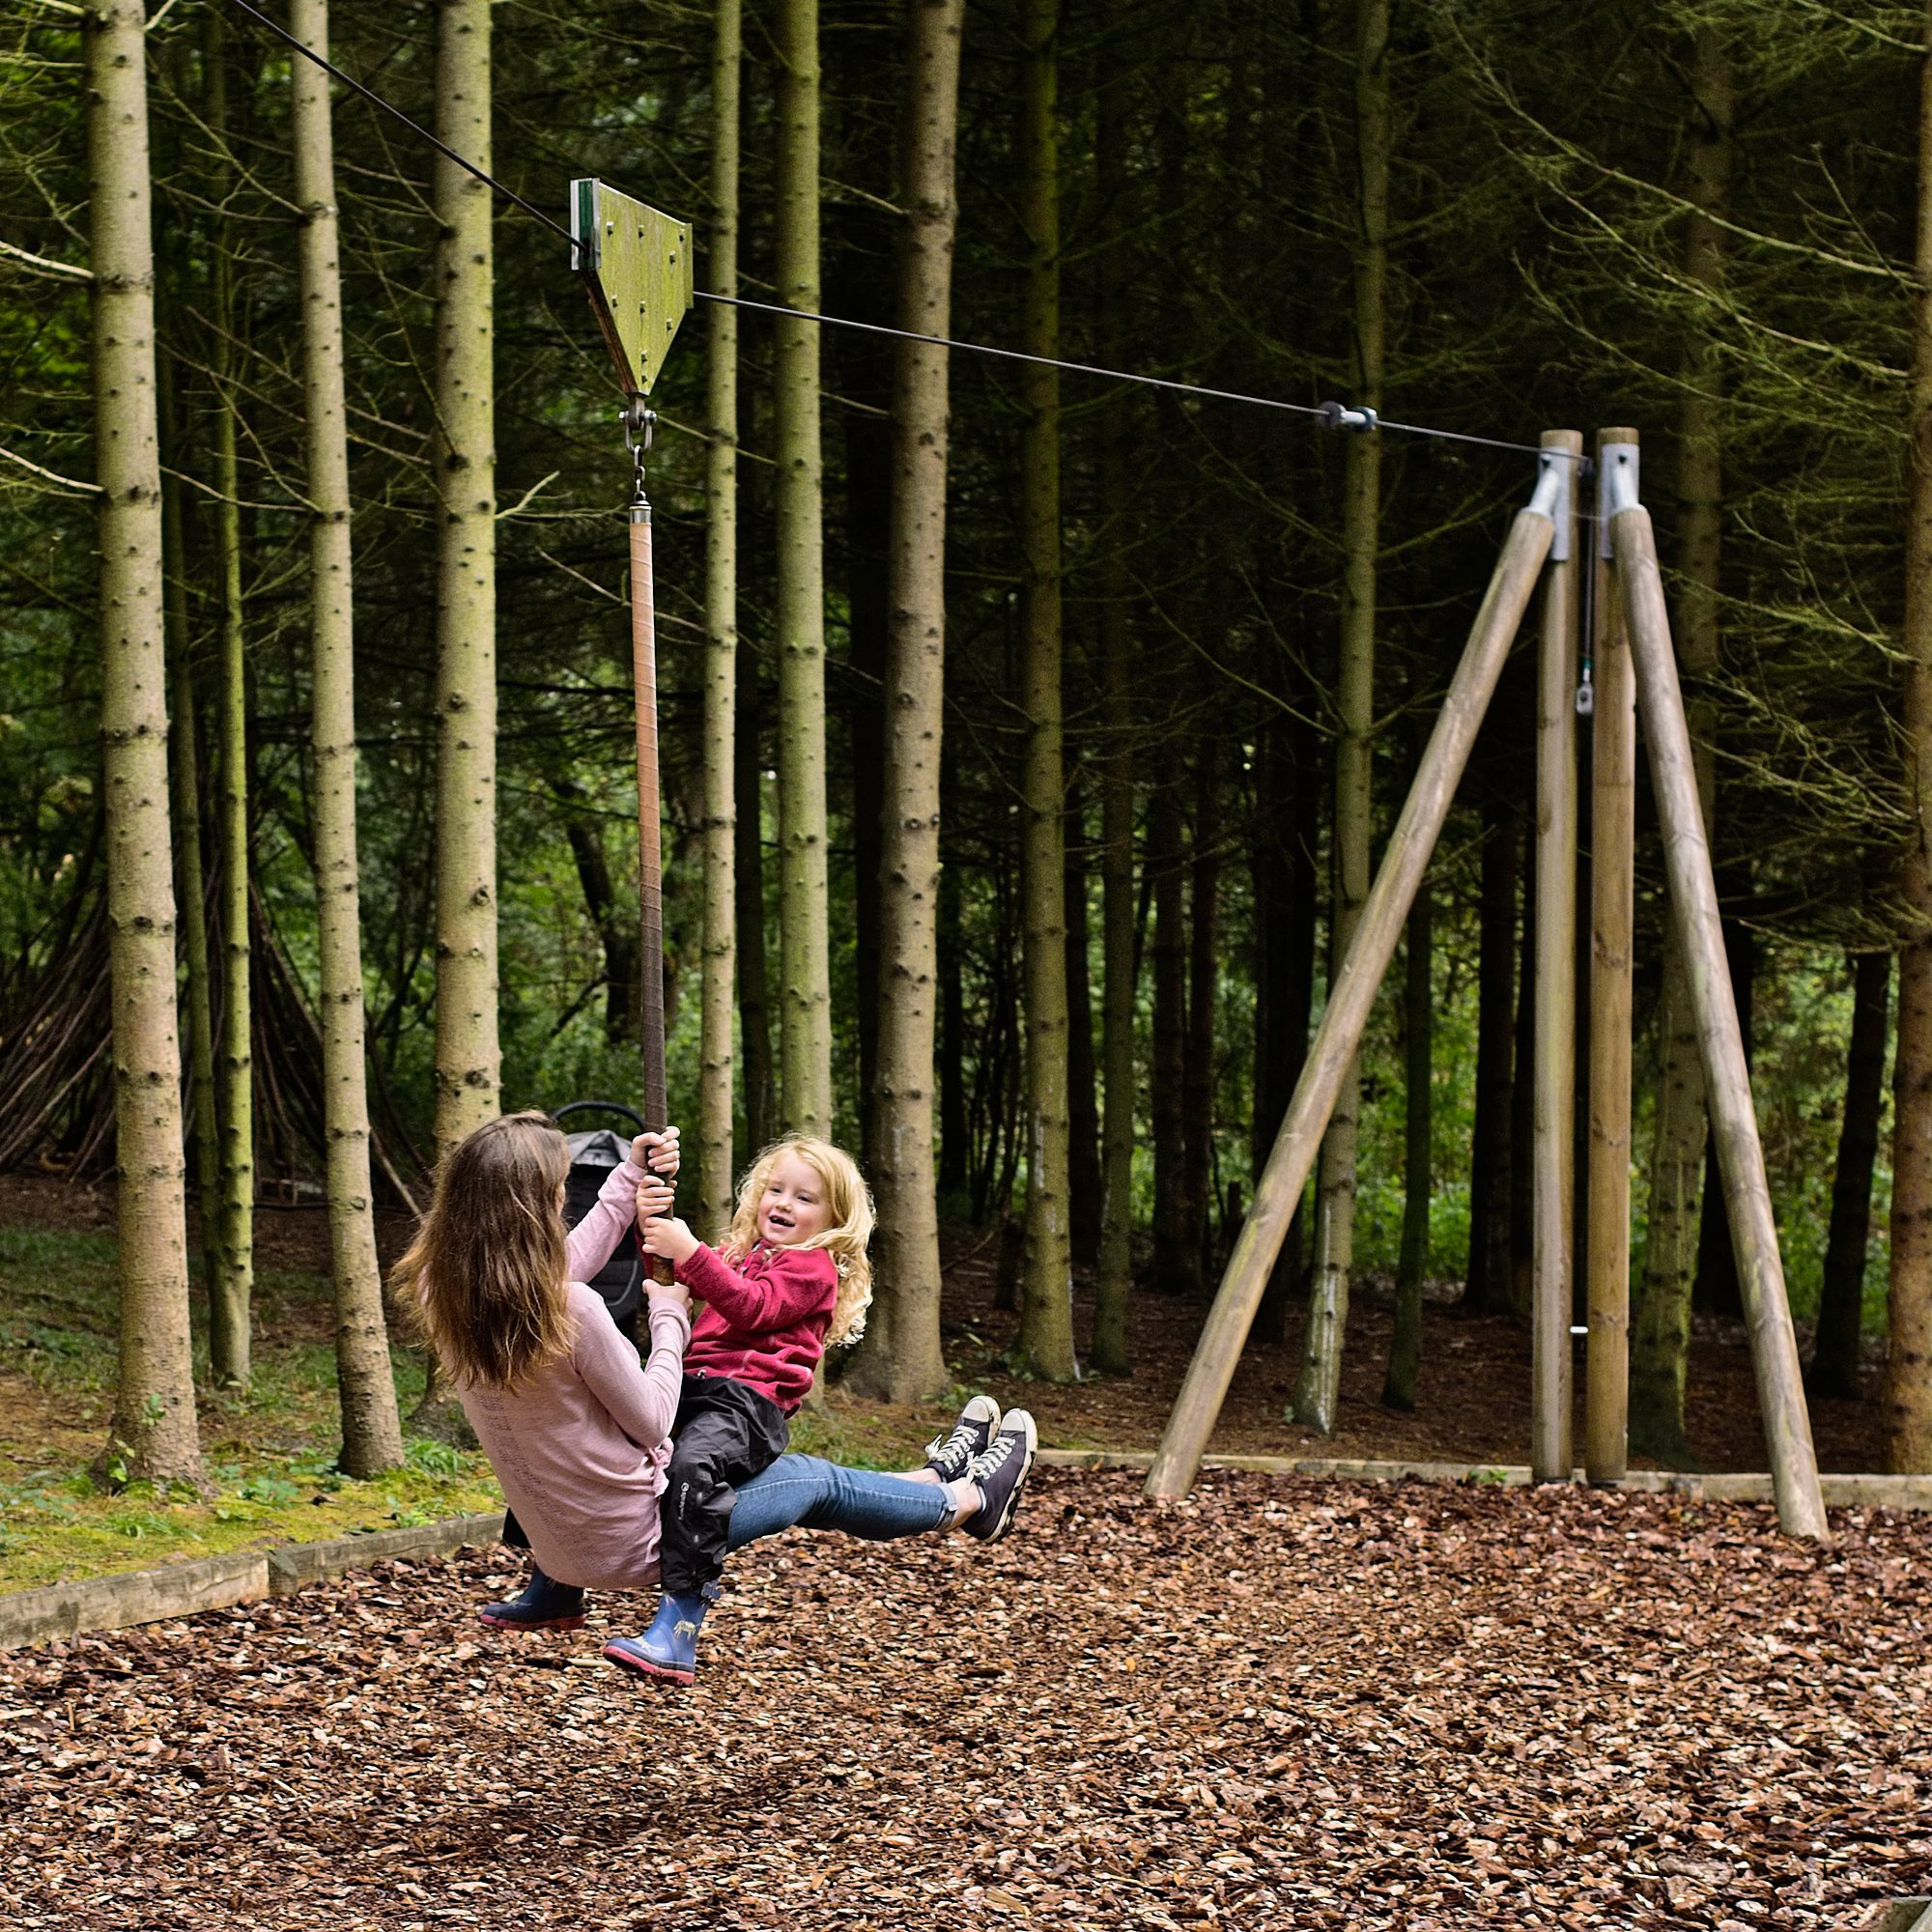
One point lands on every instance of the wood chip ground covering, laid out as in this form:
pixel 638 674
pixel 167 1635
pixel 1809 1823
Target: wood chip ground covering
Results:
pixel 1278 1704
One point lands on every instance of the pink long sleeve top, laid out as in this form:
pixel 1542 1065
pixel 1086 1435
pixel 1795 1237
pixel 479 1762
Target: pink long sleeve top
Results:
pixel 580 1449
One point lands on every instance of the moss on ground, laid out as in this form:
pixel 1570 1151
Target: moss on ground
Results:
pixel 269 1449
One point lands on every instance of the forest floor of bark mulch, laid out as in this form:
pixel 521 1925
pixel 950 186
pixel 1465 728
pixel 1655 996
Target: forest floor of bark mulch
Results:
pixel 1278 1704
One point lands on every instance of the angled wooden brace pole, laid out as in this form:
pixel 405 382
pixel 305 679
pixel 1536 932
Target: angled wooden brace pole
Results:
pixel 1693 901
pixel 1353 991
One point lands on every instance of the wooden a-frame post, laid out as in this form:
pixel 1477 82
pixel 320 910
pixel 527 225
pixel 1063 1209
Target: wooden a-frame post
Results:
pixel 1693 901
pixel 1612 927
pixel 1353 993
pixel 1555 1072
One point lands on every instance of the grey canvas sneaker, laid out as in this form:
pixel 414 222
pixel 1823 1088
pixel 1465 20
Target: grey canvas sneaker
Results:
pixel 947 1455
pixel 1000 1474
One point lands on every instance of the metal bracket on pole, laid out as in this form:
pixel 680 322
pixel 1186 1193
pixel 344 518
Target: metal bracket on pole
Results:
pixel 1562 465
pixel 1551 496
pixel 1342 415
pixel 638 421
pixel 1616 488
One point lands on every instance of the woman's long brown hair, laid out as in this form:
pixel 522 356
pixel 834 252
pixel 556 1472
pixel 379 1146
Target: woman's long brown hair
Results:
pixel 487 1269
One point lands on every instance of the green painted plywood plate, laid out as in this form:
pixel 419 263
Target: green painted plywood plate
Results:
pixel 637 265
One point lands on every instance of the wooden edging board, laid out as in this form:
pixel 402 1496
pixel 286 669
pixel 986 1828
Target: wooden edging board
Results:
pixel 1902 1914
pixel 1853 1492
pixel 185 1589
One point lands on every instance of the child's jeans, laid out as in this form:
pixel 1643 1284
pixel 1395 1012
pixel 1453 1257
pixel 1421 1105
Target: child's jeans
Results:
pixel 724 1434
pixel 809 1494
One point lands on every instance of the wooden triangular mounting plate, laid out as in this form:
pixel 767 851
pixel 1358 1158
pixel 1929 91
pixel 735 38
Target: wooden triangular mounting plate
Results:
pixel 637 265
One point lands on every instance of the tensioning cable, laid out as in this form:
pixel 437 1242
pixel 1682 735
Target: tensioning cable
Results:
pixel 1333 416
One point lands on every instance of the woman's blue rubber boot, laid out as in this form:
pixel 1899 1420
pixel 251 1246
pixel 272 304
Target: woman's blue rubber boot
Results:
pixel 544 1605
pixel 668 1649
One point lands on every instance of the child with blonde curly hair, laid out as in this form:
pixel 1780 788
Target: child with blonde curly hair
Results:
pixel 790 1278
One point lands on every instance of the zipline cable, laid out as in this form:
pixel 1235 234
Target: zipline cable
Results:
pixel 1331 413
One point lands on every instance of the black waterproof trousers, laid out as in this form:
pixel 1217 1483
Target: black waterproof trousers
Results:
pixel 724 1434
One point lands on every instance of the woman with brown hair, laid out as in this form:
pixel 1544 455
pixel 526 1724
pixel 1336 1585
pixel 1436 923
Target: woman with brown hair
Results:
pixel 577 1430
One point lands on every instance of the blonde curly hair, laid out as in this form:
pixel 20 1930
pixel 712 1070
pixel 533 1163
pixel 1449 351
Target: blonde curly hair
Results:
pixel 848 1203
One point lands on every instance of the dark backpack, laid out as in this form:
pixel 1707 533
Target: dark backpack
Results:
pixel 620 1281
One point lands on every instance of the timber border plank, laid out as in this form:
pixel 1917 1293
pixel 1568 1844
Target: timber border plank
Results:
pixel 214 1582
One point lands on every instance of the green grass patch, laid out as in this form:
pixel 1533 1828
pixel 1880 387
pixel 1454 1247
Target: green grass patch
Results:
pixel 57 1526
pixel 268 1449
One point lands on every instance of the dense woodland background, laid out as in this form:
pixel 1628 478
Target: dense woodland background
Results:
pixel 1694 218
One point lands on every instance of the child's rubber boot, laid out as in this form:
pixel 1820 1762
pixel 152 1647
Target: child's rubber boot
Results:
pixel 668 1649
pixel 544 1605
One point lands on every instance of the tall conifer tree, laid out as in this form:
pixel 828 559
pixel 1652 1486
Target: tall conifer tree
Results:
pixel 721 644
pixel 805 1041
pixel 1045 1343
pixel 1320 1385
pixel 152 1432
pixel 467 1057
pixel 902 1359
pixel 372 1435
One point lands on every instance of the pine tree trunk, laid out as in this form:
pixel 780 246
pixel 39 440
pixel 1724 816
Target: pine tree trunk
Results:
pixel 1487 1292
pixel 231 1290
pixel 902 1359
pixel 955 1133
pixel 1167 1069
pixel 1418 1083
pixel 1120 976
pixel 467 1057
pixel 755 1030
pixel 1660 1320
pixel 804 1048
pixel 185 740
pixel 153 1431
pixel 863 375
pixel 1114 1286
pixel 1320 1385
pixel 1083 1094
pixel 1287 890
pixel 372 1434
pixel 1661 1323
pixel 1046 1341
pixel 1204 978
pixel 717 1079
pixel 1905 1399
pixel 1835 1361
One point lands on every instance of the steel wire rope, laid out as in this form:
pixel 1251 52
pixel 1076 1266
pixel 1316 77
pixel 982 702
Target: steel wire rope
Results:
pixel 1330 414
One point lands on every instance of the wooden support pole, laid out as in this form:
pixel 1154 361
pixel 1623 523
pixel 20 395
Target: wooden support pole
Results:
pixel 1554 1074
pixel 1612 918
pixel 1694 900
pixel 1349 999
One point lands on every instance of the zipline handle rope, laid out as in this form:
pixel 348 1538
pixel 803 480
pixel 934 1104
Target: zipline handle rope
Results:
pixel 1333 416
